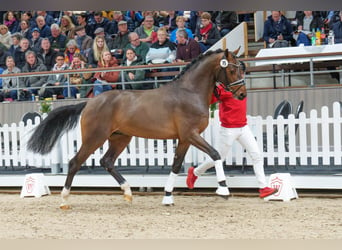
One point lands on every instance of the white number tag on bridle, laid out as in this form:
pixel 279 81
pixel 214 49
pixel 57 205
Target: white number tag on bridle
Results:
pixel 224 63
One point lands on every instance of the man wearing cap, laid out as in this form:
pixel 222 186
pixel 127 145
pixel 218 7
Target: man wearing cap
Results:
pixel 117 17
pixel 101 32
pixel 35 40
pixel 120 40
pixel 84 41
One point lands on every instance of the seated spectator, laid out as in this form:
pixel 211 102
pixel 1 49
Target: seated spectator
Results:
pixel 55 80
pixel 10 84
pixel 71 49
pixel 77 79
pixel 208 34
pixel 187 48
pixel 44 29
pixel 99 45
pixel 57 39
pixel 277 30
pixel 169 19
pixel 82 19
pixel 16 37
pixel 5 36
pixel 104 80
pixel 140 48
pixel 102 22
pixel 35 40
pixel 67 27
pixel 47 54
pixel 118 17
pixel 11 21
pixel 28 17
pixel 3 55
pixel 133 75
pixel 48 18
pixel 84 41
pixel 33 64
pixel 180 21
pixel 147 32
pixel 19 53
pixel 108 38
pixel 24 29
pixel 306 24
pixel 227 22
pixel 120 40
pixel 337 29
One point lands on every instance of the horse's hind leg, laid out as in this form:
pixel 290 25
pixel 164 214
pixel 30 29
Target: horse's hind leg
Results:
pixel 181 150
pixel 117 143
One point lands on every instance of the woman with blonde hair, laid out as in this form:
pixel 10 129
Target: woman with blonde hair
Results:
pixel 5 36
pixel 67 27
pixel 99 45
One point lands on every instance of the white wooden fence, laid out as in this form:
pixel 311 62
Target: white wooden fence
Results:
pixel 316 141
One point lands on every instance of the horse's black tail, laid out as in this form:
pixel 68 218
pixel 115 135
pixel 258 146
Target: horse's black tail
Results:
pixel 58 121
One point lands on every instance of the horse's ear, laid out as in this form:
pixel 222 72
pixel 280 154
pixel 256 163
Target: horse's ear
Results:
pixel 237 51
pixel 226 53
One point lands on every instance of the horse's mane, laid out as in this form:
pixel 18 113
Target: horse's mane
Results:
pixel 195 61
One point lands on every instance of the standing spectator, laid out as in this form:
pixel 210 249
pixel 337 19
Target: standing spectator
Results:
pixel 19 53
pixel 47 54
pixel 55 80
pixel 35 40
pixel 70 51
pixel 133 75
pixel 10 84
pixel 180 21
pixel 43 27
pixel 82 19
pixel 277 30
pixel 5 36
pixel 147 32
pixel 208 34
pixel 105 80
pixel 337 28
pixel 141 48
pixel 11 21
pixel 33 64
pixel 24 29
pixel 84 41
pixel 99 45
pixel 187 48
pixel 67 27
pixel 57 39
pixel 120 40
pixel 228 21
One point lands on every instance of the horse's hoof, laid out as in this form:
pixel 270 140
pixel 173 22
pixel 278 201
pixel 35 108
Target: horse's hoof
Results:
pixel 65 207
pixel 222 191
pixel 168 201
pixel 128 198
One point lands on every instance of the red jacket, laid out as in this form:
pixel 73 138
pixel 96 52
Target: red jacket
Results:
pixel 232 112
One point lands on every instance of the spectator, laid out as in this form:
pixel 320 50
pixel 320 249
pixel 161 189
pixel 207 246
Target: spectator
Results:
pixel 187 48
pixel 228 21
pixel 84 41
pixel 47 54
pixel 208 34
pixel 35 40
pixel 306 24
pixel 141 48
pixel 102 22
pixel 169 20
pixel 147 32
pixel 19 53
pixel 27 16
pixel 120 40
pixel 71 16
pixel 43 27
pixel 104 80
pixel 33 64
pixel 24 29
pixel 180 21
pixel 71 49
pixel 133 75
pixel 99 45
pixel 277 30
pixel 3 55
pixel 11 21
pixel 163 50
pixel 67 27
pixel 10 84
pixel 117 18
pixel 108 39
pixel 16 37
pixel 57 39
pixel 5 36
pixel 77 79
pixel 82 20
pixel 48 18
pixel 55 80
pixel 337 28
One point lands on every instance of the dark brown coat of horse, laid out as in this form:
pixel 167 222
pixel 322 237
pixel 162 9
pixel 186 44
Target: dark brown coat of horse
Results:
pixel 177 110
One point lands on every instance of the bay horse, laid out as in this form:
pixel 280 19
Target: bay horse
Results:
pixel 176 110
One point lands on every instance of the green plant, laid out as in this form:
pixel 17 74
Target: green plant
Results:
pixel 45 106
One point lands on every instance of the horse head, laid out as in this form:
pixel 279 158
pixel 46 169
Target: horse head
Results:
pixel 231 74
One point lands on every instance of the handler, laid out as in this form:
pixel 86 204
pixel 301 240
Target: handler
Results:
pixel 233 118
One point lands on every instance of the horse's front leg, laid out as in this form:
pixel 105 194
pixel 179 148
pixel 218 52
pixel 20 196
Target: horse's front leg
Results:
pixel 181 150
